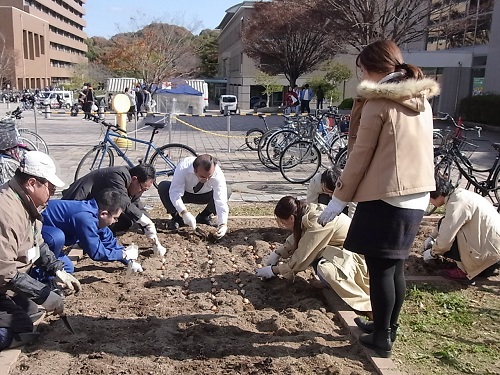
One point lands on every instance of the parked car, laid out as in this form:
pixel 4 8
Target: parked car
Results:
pixel 257 101
pixel 231 101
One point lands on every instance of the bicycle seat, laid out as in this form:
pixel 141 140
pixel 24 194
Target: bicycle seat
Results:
pixel 156 125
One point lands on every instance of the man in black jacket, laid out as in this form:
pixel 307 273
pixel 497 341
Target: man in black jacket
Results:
pixel 131 182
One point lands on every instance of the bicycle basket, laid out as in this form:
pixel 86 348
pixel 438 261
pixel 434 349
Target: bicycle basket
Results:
pixel 466 148
pixel 8 134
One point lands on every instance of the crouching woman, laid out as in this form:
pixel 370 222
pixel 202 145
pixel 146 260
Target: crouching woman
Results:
pixel 312 244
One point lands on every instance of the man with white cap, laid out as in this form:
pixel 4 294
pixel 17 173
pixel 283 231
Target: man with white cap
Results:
pixel 22 247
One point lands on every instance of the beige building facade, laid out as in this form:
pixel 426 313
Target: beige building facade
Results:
pixel 48 39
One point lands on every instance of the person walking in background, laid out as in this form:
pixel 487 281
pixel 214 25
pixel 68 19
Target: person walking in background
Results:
pixel 296 90
pixel 89 102
pixel 469 232
pixel 389 172
pixel 148 100
pixel 306 94
pixel 320 96
pixel 291 101
pixel 131 97
pixel 139 100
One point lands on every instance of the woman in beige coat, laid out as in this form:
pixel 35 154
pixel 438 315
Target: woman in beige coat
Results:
pixel 389 172
pixel 312 244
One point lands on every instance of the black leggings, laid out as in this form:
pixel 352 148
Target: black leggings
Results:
pixel 387 290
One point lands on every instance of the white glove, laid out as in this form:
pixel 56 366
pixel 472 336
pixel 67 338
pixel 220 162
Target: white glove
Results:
pixel 189 219
pixel 159 250
pixel 265 272
pixel 55 303
pixel 334 208
pixel 428 243
pixel 272 259
pixel 134 266
pixel 428 255
pixel 131 252
pixel 221 231
pixel 149 226
pixel 68 280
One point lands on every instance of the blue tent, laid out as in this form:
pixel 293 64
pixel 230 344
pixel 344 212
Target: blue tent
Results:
pixel 179 89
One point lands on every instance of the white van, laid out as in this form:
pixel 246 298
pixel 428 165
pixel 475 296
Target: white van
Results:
pixel 50 99
pixel 231 101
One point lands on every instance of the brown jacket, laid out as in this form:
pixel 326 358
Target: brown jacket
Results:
pixel 390 142
pixel 20 230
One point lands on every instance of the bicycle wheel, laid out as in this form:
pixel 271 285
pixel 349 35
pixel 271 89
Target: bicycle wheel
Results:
pixel 277 143
pixel 35 139
pixel 341 158
pixel 445 167
pixel 98 157
pixel 261 149
pixel 337 144
pixel 26 144
pixel 252 138
pixel 437 139
pixel 166 158
pixel 300 161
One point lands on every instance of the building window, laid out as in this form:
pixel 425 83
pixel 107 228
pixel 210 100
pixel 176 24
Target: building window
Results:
pixel 37 45
pixel 42 44
pixel 25 44
pixel 31 49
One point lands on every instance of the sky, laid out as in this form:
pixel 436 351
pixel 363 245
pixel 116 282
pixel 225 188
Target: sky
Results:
pixel 109 17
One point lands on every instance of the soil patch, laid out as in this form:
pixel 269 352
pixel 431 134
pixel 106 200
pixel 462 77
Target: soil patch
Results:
pixel 201 310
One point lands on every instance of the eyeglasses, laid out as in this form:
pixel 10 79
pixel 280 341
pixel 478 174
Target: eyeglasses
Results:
pixel 143 187
pixel 51 189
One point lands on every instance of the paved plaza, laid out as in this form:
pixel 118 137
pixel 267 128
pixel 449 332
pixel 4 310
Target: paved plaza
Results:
pixel 69 138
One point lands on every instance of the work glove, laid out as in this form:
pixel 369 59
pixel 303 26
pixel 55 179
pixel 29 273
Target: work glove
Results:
pixel 148 226
pixel 189 219
pixel 159 249
pixel 133 267
pixel 428 243
pixel 428 256
pixel 265 272
pixel 54 303
pixel 334 208
pixel 272 259
pixel 221 231
pixel 68 280
pixel 131 252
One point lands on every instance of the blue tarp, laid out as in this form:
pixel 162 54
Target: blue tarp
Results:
pixel 179 89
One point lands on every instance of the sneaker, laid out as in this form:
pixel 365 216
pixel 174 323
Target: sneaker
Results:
pixel 454 274
pixel 207 220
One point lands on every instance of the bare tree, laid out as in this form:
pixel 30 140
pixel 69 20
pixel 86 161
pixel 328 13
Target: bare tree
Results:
pixel 403 21
pixel 157 53
pixel 8 61
pixel 286 37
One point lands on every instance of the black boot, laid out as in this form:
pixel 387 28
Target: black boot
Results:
pixel 379 341
pixel 204 217
pixel 367 327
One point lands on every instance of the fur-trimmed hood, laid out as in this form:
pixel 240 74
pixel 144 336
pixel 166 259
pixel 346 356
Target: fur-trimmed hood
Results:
pixel 410 93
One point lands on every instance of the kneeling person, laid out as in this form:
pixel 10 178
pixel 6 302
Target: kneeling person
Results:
pixel 86 223
pixel 197 180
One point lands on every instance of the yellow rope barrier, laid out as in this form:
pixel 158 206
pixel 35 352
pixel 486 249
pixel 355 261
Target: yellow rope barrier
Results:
pixel 209 132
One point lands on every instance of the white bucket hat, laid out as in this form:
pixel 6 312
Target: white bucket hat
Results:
pixel 38 164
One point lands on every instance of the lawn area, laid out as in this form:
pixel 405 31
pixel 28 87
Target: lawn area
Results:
pixel 450 329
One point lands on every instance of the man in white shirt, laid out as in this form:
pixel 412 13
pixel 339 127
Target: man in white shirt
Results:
pixel 197 180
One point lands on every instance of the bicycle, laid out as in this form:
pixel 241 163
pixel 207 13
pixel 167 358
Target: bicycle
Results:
pixel 252 136
pixel 451 163
pixel 26 136
pixel 300 160
pixel 165 158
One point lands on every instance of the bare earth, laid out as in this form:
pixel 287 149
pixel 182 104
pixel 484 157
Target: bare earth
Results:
pixel 201 312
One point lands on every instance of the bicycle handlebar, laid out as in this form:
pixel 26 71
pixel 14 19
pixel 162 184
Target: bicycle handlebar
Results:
pixel 447 116
pixel 98 120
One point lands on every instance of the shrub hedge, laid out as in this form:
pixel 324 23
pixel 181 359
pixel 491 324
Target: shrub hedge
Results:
pixel 346 103
pixel 484 109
